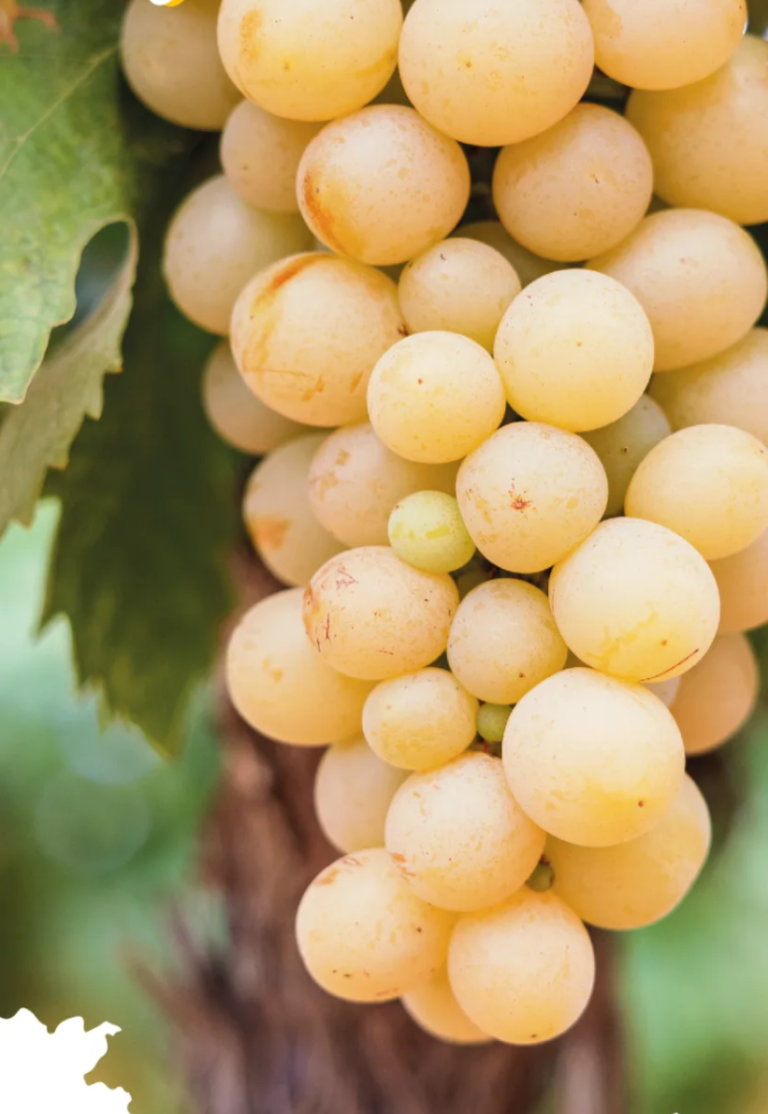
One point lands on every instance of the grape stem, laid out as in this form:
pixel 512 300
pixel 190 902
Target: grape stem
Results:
pixel 10 12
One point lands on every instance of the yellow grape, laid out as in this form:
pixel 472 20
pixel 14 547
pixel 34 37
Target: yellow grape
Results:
pixel 708 141
pixel 708 483
pixel 504 641
pixel 372 616
pixel 260 155
pixel 236 414
pixel 382 185
pixel 593 760
pixel 307 332
pixel 281 686
pixel 489 73
pixel 578 188
pixel 636 601
pixel 460 286
pixel 699 277
pixel 575 349
pixel 434 397
pixel 663 44
pixel 666 690
pixel 492 721
pixel 171 62
pixel 310 59
pixel 523 971
pixel 434 1008
pixel 529 494
pixel 420 720
pixel 427 531
pixel 636 883
pixel 353 790
pixel 730 388
pixel 364 935
pixel 743 586
pixel 622 445
pixel 528 266
pixel 278 516
pixel 215 243
pixel 717 698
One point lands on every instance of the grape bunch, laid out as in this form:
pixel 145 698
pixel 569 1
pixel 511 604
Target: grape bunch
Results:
pixel 513 472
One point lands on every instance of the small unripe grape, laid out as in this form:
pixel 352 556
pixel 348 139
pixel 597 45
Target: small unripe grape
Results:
pixel 370 615
pixel 743 587
pixel 636 883
pixel 708 483
pixel 364 935
pixel 636 601
pixel 215 243
pixel 619 757
pixel 459 286
pixel 260 155
pixel 575 350
pixel 310 59
pixel 717 698
pixel 458 836
pixel 504 641
pixel 489 73
pixel 420 720
pixel 699 277
pixel 382 185
pixel 281 686
pixel 434 397
pixel 434 1008
pixel 663 44
pixel 426 530
pixel 353 790
pixel 278 516
pixel 576 189
pixel 622 445
pixel 236 414
pixel 307 332
pixel 529 494
pixel 528 266
pixel 171 62
pixel 522 971
pixel 492 720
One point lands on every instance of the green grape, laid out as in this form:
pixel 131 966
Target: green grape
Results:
pixel 491 721
pixel 426 530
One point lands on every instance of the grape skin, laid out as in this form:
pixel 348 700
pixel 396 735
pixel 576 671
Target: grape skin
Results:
pixel 528 266
pixel 434 1008
pixel 622 445
pixel 717 698
pixel 353 790
pixel 260 155
pixel 743 587
pixel 426 530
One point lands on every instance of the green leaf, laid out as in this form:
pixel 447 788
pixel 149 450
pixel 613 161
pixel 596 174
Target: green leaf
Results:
pixel 38 434
pixel 149 515
pixel 77 152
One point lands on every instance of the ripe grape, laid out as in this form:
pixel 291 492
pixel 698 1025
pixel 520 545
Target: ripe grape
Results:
pixel 504 641
pixel 307 332
pixel 236 414
pixel 363 933
pixel 730 388
pixel 663 44
pixel 353 790
pixel 578 188
pixel 260 155
pixel 281 686
pixel 636 883
pixel 434 1008
pixel 575 349
pixel 434 397
pixel 636 601
pixel 529 494
pixel 492 721
pixel 522 971
pixel 528 266
pixel 666 690
pixel 622 445
pixel 717 698
pixel 708 483
pixel 310 59
pixel 370 615
pixel 488 73
pixel 460 286
pixel 382 185
pixel 215 243
pixel 420 720
pixel 593 760
pixel 743 586
pixel 426 530
pixel 708 140
pixel 171 62
pixel 459 838
pixel 700 278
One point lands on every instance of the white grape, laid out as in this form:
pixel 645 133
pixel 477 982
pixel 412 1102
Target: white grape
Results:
pixel 353 790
